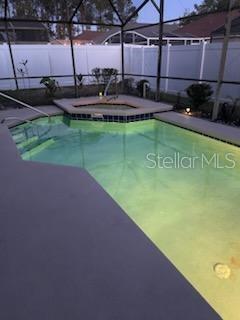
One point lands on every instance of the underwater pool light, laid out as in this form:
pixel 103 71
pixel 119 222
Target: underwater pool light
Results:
pixel 222 270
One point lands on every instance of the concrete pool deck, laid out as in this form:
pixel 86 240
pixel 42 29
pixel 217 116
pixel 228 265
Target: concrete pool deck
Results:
pixel 215 130
pixel 68 251
pixel 28 114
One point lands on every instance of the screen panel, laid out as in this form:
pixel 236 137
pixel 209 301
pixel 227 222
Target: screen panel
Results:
pixel 98 12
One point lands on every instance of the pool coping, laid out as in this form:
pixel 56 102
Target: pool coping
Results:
pixel 123 275
pixel 214 130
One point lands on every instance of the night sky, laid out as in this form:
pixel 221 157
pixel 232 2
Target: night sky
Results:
pixel 173 9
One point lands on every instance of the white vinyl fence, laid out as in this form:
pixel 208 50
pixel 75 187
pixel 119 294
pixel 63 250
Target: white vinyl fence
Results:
pixel 50 60
pixel 196 61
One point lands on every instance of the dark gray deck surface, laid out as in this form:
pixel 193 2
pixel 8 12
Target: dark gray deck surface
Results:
pixel 68 252
pixel 28 114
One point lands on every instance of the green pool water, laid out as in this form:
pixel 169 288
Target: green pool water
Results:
pixel 191 214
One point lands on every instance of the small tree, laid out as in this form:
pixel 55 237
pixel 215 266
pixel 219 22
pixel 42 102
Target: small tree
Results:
pixel 107 73
pixel 199 93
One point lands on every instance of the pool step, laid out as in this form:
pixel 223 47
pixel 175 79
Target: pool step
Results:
pixel 19 138
pixel 27 155
pixel 22 134
pixel 27 143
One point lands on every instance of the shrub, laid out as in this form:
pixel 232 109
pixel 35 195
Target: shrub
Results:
pixel 102 76
pixel 96 72
pixel 230 112
pixel 128 85
pixel 51 85
pixel 140 85
pixel 80 79
pixel 199 93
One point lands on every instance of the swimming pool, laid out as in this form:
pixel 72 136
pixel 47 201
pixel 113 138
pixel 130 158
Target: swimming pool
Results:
pixel 190 211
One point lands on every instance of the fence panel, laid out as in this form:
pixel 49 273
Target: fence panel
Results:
pixel 52 60
pixel 196 61
pixel 6 70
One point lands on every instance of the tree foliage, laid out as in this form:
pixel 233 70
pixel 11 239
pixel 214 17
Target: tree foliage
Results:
pixel 210 6
pixel 214 5
pixel 99 11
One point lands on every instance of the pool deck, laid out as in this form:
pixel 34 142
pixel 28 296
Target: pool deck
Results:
pixel 212 129
pixel 139 105
pixel 68 251
pixel 28 114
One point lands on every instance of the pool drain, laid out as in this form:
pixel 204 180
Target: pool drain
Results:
pixel 222 271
